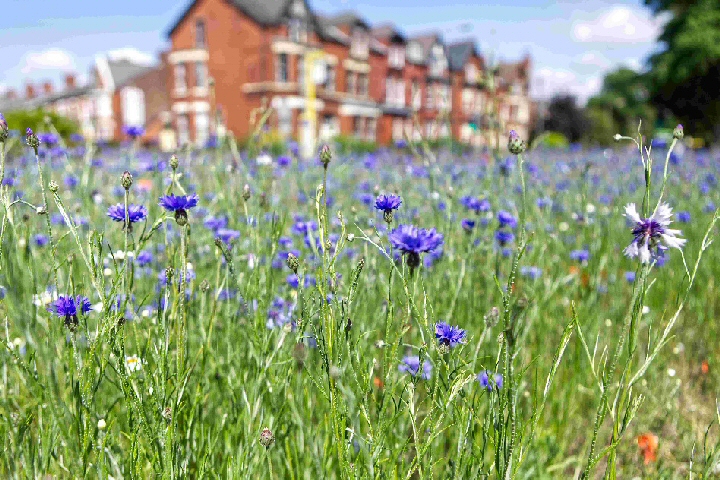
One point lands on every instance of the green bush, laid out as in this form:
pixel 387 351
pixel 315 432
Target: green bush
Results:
pixel 35 119
pixel 345 144
pixel 554 140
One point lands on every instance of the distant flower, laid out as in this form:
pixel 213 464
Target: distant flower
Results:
pixel 532 272
pixel 133 363
pixel 41 240
pixel 135 212
pixel 649 232
pixel 504 237
pixel 284 161
pixel 76 138
pixel 476 204
pixel 489 383
pixel 648 444
pixel 144 258
pixel 580 255
pixel 449 335
pixel 227 235
pixel 49 139
pixel 411 365
pixel 387 203
pixel 215 223
pixel 630 277
pixel 71 181
pixel 68 308
pixel 683 217
pixel 467 224
pixel 173 203
pixel 133 131
pixel 506 219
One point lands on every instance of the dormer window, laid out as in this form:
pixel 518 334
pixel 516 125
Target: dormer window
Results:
pixel 360 43
pixel 414 52
pixel 470 73
pixel 437 61
pixel 396 57
pixel 296 31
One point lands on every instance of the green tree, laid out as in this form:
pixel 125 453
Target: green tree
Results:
pixel 685 73
pixel 35 119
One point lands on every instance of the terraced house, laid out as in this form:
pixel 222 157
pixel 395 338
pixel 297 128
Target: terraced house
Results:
pixel 374 83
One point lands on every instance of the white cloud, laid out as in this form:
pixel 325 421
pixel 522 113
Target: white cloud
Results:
pixel 619 24
pixel 132 54
pixel 50 59
pixel 547 82
pixel 594 59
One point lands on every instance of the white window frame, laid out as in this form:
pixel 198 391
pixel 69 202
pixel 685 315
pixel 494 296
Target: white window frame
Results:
pixel 279 77
pixel 183 129
pixel 132 103
pixel 202 128
pixel 180 73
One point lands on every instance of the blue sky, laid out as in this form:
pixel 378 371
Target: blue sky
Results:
pixel 572 42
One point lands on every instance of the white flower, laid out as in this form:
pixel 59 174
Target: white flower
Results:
pixel 264 159
pixel 649 232
pixel 133 363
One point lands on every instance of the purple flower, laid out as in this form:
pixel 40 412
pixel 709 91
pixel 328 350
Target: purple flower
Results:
pixel 68 308
pixel 215 223
pixel 649 232
pixel 449 335
pixel 135 212
pixel 467 224
pixel 683 217
pixel 171 203
pixel 387 203
pixel 284 161
pixel 41 240
pixel 504 237
pixel 411 365
pixel 630 277
pixel 411 239
pixel 227 235
pixel 533 272
pixel 49 139
pixel 580 255
pixel 144 258
pixel 506 219
pixel 486 382
pixel 133 131
pixel 476 204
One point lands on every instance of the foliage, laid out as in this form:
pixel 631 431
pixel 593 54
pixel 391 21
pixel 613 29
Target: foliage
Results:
pixel 554 140
pixel 36 119
pixel 566 117
pixel 346 144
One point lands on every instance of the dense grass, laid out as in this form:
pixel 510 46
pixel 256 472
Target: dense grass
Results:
pixel 154 383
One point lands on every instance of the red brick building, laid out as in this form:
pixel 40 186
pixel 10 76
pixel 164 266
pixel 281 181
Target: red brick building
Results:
pixel 372 83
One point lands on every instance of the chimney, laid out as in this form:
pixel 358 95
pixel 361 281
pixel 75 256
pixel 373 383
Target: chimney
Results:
pixel 47 88
pixel 70 81
pixel 11 94
pixel 29 91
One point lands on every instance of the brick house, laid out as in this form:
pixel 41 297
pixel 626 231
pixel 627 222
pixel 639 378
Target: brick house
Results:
pixel 370 83
pixel 468 96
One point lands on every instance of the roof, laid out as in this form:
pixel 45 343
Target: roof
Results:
pixel 427 41
pixel 123 70
pixel 265 12
pixel 459 54
pixel 348 18
pixel 9 105
pixel 388 32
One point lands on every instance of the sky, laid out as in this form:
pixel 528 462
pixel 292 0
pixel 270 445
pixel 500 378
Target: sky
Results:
pixel 572 43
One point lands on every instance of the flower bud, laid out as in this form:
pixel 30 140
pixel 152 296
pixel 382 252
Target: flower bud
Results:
pixel 53 186
pixel 515 145
pixel 41 210
pixel 267 438
pixel 204 286
pixel 4 131
pixel 617 137
pixel 181 217
pixel 325 155
pixel 126 180
pixel 292 262
pixel 169 273
pixel 246 192
pixel 174 162
pixel 32 140
pixel 101 424
pixel 678 132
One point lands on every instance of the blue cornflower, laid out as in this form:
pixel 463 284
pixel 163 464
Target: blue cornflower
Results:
pixel 215 223
pixel 504 237
pixel 630 277
pixel 413 241
pixel 506 219
pixel 387 203
pixel 49 139
pixel 302 228
pixel 486 382
pixel 467 224
pixel 411 365
pixel 135 212
pixel 133 131
pixel 41 240
pixel 476 204
pixel 284 161
pixel 71 181
pixel 449 335
pixel 173 203
pixel 144 258
pixel 648 233
pixel 68 308
pixel 533 272
pixel 683 217
pixel 227 235
pixel 580 255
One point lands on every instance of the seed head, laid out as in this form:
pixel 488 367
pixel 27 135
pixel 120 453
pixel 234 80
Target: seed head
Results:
pixel 267 438
pixel 204 286
pixel 169 272
pixel 53 186
pixel 32 140
pixel 174 162
pixel 678 132
pixel 167 414
pixel 325 156
pixel 292 262
pixel 126 180
pixel 617 137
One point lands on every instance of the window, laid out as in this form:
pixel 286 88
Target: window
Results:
pixel 358 126
pixel 471 74
pixel 397 57
pixel 133 106
pixel 183 129
pixel 180 79
pixel 200 74
pixel 330 78
pixel 414 52
pixel 513 113
pixel 351 87
pixel 285 121
pixel 429 97
pixel 416 95
pixel 389 91
pixel 200 41
pixel 360 43
pixel 428 129
pixel 371 127
pixel 282 68
pixel 301 72
pixel 202 128
pixel 363 84
pixel 294 30
pixel 467 100
pixel 400 93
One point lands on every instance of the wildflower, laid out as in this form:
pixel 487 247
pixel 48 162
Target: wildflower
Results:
pixel 67 307
pixel 467 224
pixel 476 204
pixel 580 255
pixel 386 204
pixel 267 439
pixel 486 382
pixel 215 223
pixel 504 237
pixel 227 235
pixel 648 233
pixel 133 131
pixel 32 140
pixel 180 205
pixel 449 335
pixel 126 180
pixel 48 139
pixel 4 131
pixel 506 219
pixel 325 156
pixel 135 213
pixel 413 241
pixel 683 217
pixel 533 272
pixel 174 162
pixel 411 365
pixel 133 363
pixel 648 444
pixel 144 258
pixel 630 277
pixel 515 145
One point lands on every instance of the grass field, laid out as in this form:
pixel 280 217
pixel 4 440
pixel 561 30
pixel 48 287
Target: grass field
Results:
pixel 202 355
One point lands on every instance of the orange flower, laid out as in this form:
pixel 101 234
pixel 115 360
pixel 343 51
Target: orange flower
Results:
pixel 648 443
pixel 145 184
pixel 574 270
pixel 378 382
pixel 705 367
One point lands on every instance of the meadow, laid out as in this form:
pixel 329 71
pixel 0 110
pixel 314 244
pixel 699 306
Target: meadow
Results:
pixel 216 314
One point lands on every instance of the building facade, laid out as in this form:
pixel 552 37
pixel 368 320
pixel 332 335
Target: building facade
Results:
pixel 230 58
